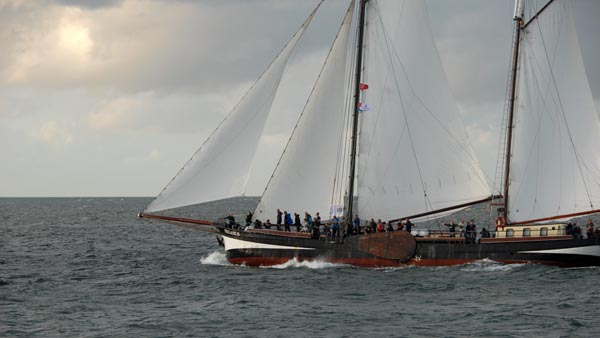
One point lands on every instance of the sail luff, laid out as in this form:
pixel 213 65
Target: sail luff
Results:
pixel 219 168
pixel 518 19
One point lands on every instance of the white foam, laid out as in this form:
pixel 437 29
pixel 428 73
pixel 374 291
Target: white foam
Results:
pixel 314 264
pixel 215 258
pixel 488 265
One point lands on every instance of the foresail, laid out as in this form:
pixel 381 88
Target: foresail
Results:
pixel 219 169
pixel 305 175
pixel 555 167
pixel 414 153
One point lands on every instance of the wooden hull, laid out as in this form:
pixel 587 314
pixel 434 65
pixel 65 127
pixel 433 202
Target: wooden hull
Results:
pixel 398 249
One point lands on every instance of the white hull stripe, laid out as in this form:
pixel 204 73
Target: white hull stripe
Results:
pixel 232 244
pixel 593 250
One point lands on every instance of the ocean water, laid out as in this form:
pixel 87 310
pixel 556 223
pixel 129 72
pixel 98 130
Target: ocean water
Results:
pixel 88 267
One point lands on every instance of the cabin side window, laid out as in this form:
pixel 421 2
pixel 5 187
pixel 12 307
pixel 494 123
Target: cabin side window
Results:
pixel 544 232
pixel 510 233
pixel 526 232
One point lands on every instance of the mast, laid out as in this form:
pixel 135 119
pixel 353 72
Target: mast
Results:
pixel 359 56
pixel 518 18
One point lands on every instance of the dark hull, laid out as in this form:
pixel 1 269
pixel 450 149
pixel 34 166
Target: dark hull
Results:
pixel 393 250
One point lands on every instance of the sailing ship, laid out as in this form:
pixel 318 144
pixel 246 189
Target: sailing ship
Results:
pixel 406 155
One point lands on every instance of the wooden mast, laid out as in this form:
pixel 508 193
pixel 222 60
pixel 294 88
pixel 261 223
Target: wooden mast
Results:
pixel 359 57
pixel 518 18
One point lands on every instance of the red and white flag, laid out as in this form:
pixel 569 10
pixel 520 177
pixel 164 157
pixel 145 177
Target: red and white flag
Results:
pixel 363 86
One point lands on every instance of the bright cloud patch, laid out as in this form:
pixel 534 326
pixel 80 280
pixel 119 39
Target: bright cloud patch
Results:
pixel 119 113
pixel 52 133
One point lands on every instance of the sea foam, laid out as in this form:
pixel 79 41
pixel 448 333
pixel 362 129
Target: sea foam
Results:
pixel 314 264
pixel 215 258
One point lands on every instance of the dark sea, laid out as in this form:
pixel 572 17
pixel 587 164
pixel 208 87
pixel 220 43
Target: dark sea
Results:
pixel 88 267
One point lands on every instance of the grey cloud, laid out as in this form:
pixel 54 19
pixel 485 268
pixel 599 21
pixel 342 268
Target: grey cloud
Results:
pixel 89 4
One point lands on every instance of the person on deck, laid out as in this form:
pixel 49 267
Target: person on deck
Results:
pixel 468 232
pixel 335 226
pixel 373 225
pixel 473 232
pixel 590 228
pixel 452 230
pixel 569 229
pixel 231 220
pixel 485 233
pixel 408 225
pixel 389 227
pixel 379 225
pixel 399 226
pixel 316 222
pixel 315 232
pixel 287 220
pixel 279 220
pixel 308 220
pixel 297 222
pixel 249 218
pixel 356 223
pixel 268 224
pixel 576 231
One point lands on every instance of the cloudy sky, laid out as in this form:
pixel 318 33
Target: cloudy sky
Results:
pixel 110 98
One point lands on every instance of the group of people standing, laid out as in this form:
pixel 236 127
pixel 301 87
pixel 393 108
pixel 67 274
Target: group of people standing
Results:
pixel 468 231
pixel 379 226
pixel 577 232
pixel 331 228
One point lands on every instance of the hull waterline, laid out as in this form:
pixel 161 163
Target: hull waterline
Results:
pixel 381 250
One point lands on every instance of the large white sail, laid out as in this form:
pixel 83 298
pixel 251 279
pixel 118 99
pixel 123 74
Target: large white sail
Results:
pixel 305 175
pixel 414 153
pixel 555 167
pixel 220 168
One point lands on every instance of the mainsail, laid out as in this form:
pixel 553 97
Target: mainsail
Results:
pixel 414 153
pixel 555 162
pixel 219 169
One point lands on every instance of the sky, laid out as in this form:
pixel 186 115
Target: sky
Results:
pixel 111 98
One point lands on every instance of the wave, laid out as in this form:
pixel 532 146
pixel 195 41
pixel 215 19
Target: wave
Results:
pixel 215 258
pixel 314 264
pixel 488 265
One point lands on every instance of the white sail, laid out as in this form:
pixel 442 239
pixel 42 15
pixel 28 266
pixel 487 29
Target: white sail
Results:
pixel 555 167
pixel 220 168
pixel 305 175
pixel 414 153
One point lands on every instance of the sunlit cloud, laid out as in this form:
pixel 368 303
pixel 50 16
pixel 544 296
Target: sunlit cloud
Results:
pixel 74 39
pixel 122 112
pixel 52 134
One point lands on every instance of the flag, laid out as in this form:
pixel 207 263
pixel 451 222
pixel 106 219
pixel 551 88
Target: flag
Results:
pixel 363 106
pixel 363 86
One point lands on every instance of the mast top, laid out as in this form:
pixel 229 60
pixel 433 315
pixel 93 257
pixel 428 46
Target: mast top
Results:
pixel 518 10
